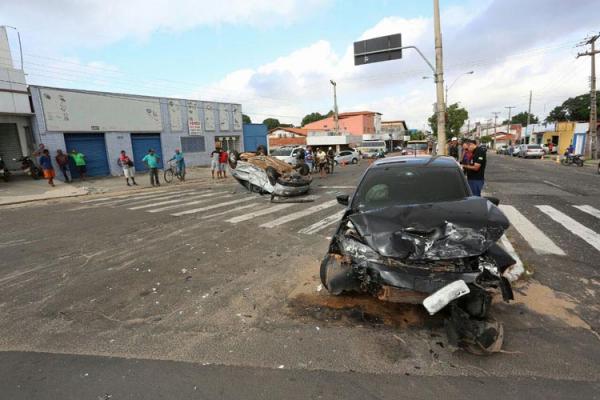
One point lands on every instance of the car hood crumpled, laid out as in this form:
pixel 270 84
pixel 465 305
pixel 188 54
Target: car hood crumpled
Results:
pixel 433 231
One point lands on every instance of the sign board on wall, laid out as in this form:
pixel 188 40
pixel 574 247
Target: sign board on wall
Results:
pixel 237 117
pixel 209 117
pixel 194 124
pixel 67 111
pixel 175 115
pixel 224 117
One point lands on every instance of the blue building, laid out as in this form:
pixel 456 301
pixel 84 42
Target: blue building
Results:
pixel 255 135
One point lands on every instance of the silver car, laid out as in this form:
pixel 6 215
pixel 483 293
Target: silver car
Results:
pixel 347 157
pixel 531 151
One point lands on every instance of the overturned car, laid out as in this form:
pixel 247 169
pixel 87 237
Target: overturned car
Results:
pixel 264 174
pixel 413 233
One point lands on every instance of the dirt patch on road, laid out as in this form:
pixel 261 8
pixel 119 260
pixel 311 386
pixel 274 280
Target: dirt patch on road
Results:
pixel 544 300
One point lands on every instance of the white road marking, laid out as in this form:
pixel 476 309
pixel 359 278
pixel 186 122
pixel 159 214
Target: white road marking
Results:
pixel 514 272
pixel 255 214
pixel 591 237
pixel 141 199
pixel 122 196
pixel 336 187
pixel 325 222
pixel 191 203
pixel 230 210
pixel 590 210
pixel 170 200
pixel 539 242
pixel 197 210
pixel 299 214
pixel 552 184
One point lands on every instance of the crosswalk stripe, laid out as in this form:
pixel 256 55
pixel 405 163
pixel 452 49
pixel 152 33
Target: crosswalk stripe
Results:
pixel 246 217
pixel 325 222
pixel 591 237
pixel 539 242
pixel 142 199
pixel 197 210
pixel 170 200
pixel 299 214
pixel 590 210
pixel 191 203
pixel 235 209
pixel 122 196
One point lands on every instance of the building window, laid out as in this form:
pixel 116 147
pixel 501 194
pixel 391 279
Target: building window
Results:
pixel 194 144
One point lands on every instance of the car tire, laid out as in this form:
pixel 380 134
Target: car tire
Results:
pixel 354 161
pixel 234 156
pixel 303 170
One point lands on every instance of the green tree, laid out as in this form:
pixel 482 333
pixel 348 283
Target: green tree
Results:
pixel 315 116
pixel 271 123
pixel 246 119
pixel 485 139
pixel 574 109
pixel 521 118
pixel 417 135
pixel 455 119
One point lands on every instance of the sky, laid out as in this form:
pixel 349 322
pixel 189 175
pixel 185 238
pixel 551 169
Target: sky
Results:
pixel 276 58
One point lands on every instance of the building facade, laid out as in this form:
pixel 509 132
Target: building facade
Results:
pixel 279 137
pixel 357 123
pixel 101 124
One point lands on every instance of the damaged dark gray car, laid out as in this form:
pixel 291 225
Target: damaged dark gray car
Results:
pixel 413 233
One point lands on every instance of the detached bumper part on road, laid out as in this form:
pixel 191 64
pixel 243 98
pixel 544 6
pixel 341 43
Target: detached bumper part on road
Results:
pixel 450 266
pixel 264 174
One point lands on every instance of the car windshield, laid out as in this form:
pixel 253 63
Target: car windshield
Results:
pixel 534 146
pixel 281 152
pixel 418 146
pixel 402 185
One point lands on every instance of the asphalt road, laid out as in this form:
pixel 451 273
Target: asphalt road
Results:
pixel 196 291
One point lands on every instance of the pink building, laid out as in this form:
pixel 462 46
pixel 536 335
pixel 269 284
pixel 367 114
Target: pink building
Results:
pixel 356 123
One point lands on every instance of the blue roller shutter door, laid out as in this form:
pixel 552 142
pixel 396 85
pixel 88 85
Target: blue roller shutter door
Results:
pixel 140 144
pixel 93 146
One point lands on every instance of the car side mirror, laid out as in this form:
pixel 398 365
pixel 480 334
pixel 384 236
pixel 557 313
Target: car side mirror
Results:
pixel 493 200
pixel 343 199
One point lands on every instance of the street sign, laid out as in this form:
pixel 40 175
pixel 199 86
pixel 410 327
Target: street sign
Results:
pixel 384 48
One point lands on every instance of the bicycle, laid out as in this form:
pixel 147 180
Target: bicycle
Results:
pixel 171 172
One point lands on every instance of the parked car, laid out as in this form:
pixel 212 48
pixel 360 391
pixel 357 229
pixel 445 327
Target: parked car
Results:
pixel 515 151
pixel 502 149
pixel 413 233
pixel 531 151
pixel 347 157
pixel 286 154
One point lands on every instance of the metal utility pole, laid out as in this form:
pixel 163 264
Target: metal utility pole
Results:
pixel 529 117
pixel 496 113
pixel 336 120
pixel 593 134
pixel 439 80
pixel 509 124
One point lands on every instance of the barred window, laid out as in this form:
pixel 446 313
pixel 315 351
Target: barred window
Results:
pixel 193 144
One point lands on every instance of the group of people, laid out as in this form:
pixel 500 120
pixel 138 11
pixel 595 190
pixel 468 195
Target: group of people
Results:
pixel 473 161
pixel 151 160
pixel 218 163
pixel 62 160
pixel 316 160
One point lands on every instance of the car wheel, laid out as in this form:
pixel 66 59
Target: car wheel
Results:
pixel 272 174
pixel 354 161
pixel 304 170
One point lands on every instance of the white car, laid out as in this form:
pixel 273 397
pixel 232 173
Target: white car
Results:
pixel 286 154
pixel 531 150
pixel 347 157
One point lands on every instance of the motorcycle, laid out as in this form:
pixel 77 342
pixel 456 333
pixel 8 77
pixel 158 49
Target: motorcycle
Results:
pixel 4 172
pixel 28 166
pixel 576 159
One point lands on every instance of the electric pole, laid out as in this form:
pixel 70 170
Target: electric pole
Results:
pixel 336 120
pixel 509 111
pixel 593 134
pixel 496 113
pixel 528 118
pixel 439 80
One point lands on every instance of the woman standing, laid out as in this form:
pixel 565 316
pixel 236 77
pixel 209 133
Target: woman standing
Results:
pixel 128 168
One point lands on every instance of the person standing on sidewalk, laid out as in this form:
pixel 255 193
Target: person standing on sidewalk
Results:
pixel 309 159
pixel 128 169
pixel 46 164
pixel 180 163
pixel 151 160
pixel 476 168
pixel 453 148
pixel 214 163
pixel 63 163
pixel 223 157
pixel 80 163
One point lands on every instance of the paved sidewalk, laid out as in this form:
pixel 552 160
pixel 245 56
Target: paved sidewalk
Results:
pixel 22 189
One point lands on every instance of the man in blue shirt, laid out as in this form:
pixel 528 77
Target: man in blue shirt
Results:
pixel 46 164
pixel 180 163
pixel 151 160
